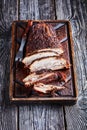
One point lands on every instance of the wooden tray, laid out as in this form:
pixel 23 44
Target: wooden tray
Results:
pixel 17 93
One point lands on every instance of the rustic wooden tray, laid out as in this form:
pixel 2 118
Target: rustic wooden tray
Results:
pixel 17 93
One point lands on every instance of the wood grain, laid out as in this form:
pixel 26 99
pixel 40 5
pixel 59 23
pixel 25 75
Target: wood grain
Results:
pixel 76 12
pixel 8 118
pixel 46 9
pixel 29 9
pixel 40 117
pixel 8 114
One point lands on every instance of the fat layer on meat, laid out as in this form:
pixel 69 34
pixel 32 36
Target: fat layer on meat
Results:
pixel 43 88
pixel 50 63
pixel 42 54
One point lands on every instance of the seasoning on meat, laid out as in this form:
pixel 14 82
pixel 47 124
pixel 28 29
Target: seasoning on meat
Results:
pixel 41 36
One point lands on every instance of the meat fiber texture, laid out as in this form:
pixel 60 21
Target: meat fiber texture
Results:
pixel 43 53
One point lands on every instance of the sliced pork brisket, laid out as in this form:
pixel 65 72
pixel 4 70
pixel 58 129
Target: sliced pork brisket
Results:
pixel 45 77
pixel 42 54
pixel 49 63
pixel 46 88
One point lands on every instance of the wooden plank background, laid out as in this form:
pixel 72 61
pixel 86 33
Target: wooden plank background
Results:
pixel 42 116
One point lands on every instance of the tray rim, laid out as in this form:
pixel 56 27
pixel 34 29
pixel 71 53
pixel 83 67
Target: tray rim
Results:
pixel 59 100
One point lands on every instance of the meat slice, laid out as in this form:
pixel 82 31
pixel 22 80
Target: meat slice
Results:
pixel 58 50
pixel 45 77
pixel 50 63
pixel 42 54
pixel 43 88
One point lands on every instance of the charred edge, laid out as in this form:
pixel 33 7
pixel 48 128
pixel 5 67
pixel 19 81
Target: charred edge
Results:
pixel 41 51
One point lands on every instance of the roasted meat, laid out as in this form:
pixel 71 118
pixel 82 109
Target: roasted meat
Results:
pixel 46 88
pixel 42 36
pixel 50 63
pixel 44 58
pixel 42 54
pixel 45 77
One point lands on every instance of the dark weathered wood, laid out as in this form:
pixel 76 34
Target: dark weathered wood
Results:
pixel 76 11
pixel 8 118
pixel 40 117
pixel 46 9
pixel 8 114
pixel 29 9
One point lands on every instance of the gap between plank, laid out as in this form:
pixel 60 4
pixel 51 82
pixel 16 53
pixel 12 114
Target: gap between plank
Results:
pixel 64 113
pixel 18 9
pixel 65 123
pixel 55 10
pixel 18 18
pixel 18 118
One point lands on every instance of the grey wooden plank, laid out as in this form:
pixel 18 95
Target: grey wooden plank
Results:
pixel 76 12
pixel 46 9
pixel 39 116
pixel 8 114
pixel 8 118
pixel 29 9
